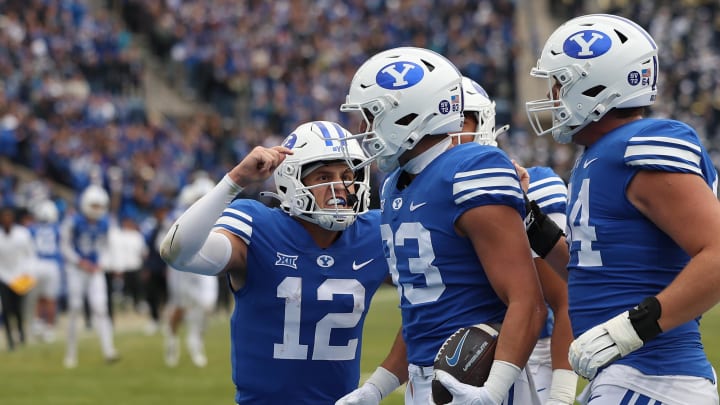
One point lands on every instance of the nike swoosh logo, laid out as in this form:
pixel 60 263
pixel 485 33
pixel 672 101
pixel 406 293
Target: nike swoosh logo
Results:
pixel 586 164
pixel 359 266
pixel 452 361
pixel 594 397
pixel 413 206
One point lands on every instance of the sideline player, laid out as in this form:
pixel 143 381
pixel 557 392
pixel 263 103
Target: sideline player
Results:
pixel 84 244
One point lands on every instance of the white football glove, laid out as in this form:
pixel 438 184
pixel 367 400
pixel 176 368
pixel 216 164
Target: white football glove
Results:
pixel 465 393
pixel 381 383
pixel 493 392
pixel 603 344
pixel 367 394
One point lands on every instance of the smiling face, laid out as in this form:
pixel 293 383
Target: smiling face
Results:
pixel 334 195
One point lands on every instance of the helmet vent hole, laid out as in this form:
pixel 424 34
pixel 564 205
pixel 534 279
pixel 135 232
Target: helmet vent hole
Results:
pixel 622 36
pixel 429 65
pixel 594 91
pixel 406 120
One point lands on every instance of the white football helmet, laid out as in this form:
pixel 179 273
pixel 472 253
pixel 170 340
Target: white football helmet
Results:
pixel 94 202
pixel 46 211
pixel 315 144
pixel 477 103
pixel 404 94
pixel 601 62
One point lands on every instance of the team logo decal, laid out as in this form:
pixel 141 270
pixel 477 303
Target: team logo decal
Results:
pixel 289 142
pixel 325 261
pixel 587 44
pixel 286 260
pixel 399 75
pixel 397 203
pixel 634 78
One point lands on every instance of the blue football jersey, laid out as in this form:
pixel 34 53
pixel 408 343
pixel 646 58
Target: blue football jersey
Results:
pixel 617 256
pixel 89 239
pixel 440 280
pixel 296 330
pixel 47 241
pixel 550 192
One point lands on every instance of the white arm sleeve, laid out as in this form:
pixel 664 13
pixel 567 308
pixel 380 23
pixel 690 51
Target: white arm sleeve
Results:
pixel 190 245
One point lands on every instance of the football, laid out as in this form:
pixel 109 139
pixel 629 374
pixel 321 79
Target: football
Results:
pixel 466 355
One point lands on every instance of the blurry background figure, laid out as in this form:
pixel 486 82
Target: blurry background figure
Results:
pixel 192 297
pixel 17 256
pixel 84 244
pixel 127 253
pixel 45 231
pixel 154 279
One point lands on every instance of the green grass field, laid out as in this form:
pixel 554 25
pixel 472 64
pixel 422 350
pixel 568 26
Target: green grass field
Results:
pixel 34 374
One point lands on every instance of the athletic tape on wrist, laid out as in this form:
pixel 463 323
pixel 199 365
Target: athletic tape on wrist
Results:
pixel 385 381
pixel 502 376
pixel 563 386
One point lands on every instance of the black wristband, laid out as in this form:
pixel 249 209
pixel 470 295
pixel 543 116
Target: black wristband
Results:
pixel 543 233
pixel 644 318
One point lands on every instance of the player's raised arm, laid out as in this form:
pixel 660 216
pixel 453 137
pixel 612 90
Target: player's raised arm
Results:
pixel 189 245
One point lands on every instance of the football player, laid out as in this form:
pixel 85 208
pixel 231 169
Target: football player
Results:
pixel 302 274
pixel 643 218
pixel 452 219
pixel 45 231
pixel 548 365
pixel 191 297
pixel 84 245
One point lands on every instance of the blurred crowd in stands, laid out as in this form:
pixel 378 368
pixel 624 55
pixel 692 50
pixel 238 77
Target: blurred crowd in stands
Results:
pixel 72 107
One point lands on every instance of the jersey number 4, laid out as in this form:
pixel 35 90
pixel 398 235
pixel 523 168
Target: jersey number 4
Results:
pixel 291 290
pixel 580 229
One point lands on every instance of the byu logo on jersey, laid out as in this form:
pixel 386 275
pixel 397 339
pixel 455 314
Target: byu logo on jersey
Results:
pixel 325 261
pixel 286 260
pixel 397 203
pixel 587 44
pixel 399 75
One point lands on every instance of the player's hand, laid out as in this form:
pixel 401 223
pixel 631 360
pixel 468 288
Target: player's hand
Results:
pixel 603 344
pixel 87 266
pixel 367 394
pixel 465 393
pixel 523 175
pixel 258 165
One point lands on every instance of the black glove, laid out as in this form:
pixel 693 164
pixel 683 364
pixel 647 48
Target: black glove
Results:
pixel 543 233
